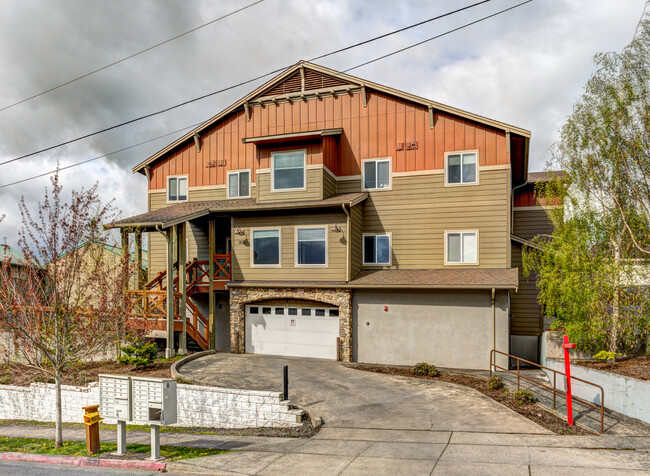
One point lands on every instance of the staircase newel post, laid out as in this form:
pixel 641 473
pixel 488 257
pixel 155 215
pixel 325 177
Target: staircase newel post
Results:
pixel 182 284
pixel 212 300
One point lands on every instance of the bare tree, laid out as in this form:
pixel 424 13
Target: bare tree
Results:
pixel 69 304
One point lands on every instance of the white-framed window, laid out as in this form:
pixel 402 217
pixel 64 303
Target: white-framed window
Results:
pixel 177 188
pixel 376 174
pixel 461 247
pixel 239 184
pixel 376 250
pixel 461 168
pixel 311 246
pixel 288 170
pixel 265 247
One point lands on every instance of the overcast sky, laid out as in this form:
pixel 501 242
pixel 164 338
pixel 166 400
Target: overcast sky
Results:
pixel 525 67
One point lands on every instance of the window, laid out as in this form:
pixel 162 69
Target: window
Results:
pixel 305 312
pixel 288 170
pixel 334 313
pixel 266 310
pixel 319 312
pixel 254 310
pixel 461 247
pixel 376 174
pixel 239 184
pixel 293 311
pixel 279 311
pixel 311 244
pixel 177 189
pixel 266 248
pixel 462 168
pixel 376 249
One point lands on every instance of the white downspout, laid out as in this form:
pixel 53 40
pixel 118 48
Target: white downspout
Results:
pixel 494 324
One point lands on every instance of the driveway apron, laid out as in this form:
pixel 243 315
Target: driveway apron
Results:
pixel 348 398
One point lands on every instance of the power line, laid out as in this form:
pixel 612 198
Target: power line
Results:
pixel 130 56
pixel 232 87
pixel 437 36
pixel 99 156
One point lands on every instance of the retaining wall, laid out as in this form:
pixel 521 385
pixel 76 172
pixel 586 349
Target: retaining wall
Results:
pixel 626 395
pixel 208 407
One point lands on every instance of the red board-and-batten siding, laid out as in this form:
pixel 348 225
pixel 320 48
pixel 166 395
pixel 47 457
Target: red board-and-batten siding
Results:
pixel 368 132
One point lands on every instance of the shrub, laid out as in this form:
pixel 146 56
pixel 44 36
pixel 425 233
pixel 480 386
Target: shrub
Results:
pixel 139 354
pixel 525 397
pixel 425 370
pixel 495 383
pixel 606 356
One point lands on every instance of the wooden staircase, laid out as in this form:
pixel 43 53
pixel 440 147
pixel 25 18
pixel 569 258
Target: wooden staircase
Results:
pixel 150 303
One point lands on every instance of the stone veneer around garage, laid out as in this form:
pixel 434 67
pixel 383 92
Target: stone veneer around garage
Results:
pixel 239 297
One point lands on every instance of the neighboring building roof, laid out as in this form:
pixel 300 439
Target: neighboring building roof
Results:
pixel 481 278
pixel 351 79
pixel 115 250
pixel 180 212
pixel 8 253
pixel 534 177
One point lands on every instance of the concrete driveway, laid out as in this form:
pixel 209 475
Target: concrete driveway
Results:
pixel 347 398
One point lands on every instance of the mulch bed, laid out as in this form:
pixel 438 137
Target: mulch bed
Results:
pixel 636 367
pixel 533 412
pixel 80 374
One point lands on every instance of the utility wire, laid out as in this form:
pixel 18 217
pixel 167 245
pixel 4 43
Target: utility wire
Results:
pixel 231 87
pixel 99 156
pixel 130 56
pixel 437 36
pixel 194 125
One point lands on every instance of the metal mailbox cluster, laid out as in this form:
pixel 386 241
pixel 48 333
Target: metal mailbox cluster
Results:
pixel 150 401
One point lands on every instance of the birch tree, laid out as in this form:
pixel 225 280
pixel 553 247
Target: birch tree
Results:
pixel 69 305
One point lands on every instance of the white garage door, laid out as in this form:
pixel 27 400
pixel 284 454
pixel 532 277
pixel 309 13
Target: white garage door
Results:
pixel 292 331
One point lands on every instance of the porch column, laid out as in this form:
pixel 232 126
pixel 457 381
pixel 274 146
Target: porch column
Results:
pixel 182 285
pixel 212 300
pixel 169 350
pixel 125 251
pixel 139 279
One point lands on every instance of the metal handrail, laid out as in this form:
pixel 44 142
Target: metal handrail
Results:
pixel 554 389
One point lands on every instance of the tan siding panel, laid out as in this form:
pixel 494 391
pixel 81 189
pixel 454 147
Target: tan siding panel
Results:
pixel 157 254
pixel 329 185
pixel 336 250
pixel 314 189
pixel 419 209
pixel 356 235
pixel 348 186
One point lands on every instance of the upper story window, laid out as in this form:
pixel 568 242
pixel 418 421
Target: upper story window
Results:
pixel 311 246
pixel 239 184
pixel 462 168
pixel 266 247
pixel 461 247
pixel 177 188
pixel 376 249
pixel 288 170
pixel 376 174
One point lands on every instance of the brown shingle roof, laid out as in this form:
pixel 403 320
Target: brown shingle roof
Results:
pixel 501 278
pixel 180 212
pixel 545 176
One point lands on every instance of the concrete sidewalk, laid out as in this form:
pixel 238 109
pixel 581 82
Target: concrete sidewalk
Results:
pixel 350 451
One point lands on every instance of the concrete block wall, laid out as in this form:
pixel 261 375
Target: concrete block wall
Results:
pixel 197 406
pixel 626 395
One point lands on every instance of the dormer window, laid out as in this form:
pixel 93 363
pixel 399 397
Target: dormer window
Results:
pixel 239 184
pixel 288 170
pixel 177 188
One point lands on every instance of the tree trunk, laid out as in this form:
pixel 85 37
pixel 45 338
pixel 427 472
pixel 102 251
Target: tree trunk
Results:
pixel 59 425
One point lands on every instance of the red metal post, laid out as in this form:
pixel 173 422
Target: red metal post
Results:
pixel 567 370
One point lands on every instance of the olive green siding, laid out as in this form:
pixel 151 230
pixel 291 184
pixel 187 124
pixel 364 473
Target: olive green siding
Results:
pixel 356 235
pixel 531 221
pixel 526 313
pixel 157 254
pixel 419 209
pixel 336 248
pixel 329 184
pixel 313 190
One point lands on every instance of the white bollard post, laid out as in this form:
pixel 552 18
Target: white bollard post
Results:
pixel 121 437
pixel 155 442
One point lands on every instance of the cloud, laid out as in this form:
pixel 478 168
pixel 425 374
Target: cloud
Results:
pixel 525 67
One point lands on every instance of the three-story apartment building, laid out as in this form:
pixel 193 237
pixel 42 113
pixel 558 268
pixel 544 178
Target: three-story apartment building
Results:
pixel 327 216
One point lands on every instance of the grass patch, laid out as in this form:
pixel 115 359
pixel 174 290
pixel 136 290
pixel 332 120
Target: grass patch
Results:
pixel 78 448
